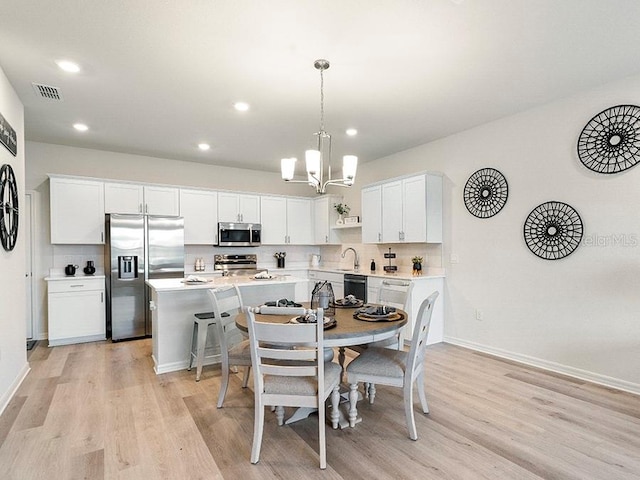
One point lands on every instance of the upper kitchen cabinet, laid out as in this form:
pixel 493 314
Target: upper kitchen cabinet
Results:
pixel 123 198
pixel 286 221
pixel 372 214
pixel 162 201
pixel 135 199
pixel 238 207
pixel 199 208
pixel 403 210
pixel 77 211
pixel 325 217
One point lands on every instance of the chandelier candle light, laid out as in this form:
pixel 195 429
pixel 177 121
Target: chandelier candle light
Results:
pixel 315 158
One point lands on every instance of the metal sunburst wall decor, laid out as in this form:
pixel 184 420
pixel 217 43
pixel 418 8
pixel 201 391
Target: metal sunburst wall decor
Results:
pixel 610 142
pixel 553 230
pixel 485 193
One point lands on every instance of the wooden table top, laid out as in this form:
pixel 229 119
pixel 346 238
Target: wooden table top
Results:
pixel 348 330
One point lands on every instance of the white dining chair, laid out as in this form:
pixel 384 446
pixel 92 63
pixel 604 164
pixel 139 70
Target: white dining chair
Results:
pixel 394 368
pixel 395 293
pixel 289 370
pixel 235 349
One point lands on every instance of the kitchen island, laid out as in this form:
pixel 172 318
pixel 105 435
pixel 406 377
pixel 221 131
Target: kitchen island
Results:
pixel 174 303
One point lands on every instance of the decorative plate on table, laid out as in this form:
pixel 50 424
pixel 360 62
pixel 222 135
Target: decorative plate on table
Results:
pixel 329 322
pixel 377 314
pixel 344 303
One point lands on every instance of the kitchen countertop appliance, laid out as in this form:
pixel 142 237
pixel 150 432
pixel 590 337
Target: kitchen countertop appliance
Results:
pixel 234 265
pixel 138 248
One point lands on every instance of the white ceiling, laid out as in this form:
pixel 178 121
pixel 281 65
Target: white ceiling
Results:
pixel 160 76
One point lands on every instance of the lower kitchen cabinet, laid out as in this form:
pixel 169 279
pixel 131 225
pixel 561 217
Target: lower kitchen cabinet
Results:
pixel 76 310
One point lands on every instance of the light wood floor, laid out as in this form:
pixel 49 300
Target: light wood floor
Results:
pixel 98 411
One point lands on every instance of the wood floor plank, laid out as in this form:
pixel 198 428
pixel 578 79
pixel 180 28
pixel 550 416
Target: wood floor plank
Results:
pixel 98 411
pixel 9 416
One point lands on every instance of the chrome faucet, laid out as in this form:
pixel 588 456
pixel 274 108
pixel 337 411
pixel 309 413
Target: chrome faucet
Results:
pixel 356 260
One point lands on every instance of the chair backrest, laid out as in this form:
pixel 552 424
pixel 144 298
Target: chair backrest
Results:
pixel 395 293
pixel 227 301
pixel 272 353
pixel 415 359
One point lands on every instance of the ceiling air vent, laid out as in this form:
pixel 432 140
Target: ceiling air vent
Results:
pixel 47 92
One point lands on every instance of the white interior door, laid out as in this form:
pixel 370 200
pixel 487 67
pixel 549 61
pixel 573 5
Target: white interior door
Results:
pixel 26 226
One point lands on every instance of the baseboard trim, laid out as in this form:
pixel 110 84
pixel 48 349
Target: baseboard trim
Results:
pixel 6 398
pixel 551 366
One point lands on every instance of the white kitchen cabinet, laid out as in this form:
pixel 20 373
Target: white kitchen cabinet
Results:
pixel 336 280
pixel 162 201
pixel 133 198
pixel 76 310
pixel 286 221
pixel 199 208
pixel 238 207
pixel 372 214
pixel 324 217
pixel 77 211
pixel 407 209
pixel 126 198
pixel 299 221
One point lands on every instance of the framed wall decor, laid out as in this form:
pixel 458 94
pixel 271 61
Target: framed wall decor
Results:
pixel 8 208
pixel 610 142
pixel 553 230
pixel 485 193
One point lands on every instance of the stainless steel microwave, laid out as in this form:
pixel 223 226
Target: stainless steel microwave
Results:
pixel 239 234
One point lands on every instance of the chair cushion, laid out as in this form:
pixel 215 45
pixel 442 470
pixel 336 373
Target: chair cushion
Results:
pixel 240 352
pixel 302 385
pixel 380 362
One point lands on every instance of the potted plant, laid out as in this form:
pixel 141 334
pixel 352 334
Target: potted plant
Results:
pixel 342 209
pixel 417 265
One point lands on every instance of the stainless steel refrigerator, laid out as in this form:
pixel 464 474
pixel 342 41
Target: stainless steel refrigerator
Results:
pixel 138 248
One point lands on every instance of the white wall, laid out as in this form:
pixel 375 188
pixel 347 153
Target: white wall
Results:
pixel 578 315
pixel 13 353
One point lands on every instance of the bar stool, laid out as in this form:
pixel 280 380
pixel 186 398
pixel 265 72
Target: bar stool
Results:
pixel 199 340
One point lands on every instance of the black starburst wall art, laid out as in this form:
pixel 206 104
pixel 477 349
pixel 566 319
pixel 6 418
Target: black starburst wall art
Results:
pixel 610 142
pixel 485 193
pixel 553 230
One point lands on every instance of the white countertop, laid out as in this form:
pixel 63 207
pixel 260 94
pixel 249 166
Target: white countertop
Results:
pixel 81 276
pixel 404 275
pixel 178 284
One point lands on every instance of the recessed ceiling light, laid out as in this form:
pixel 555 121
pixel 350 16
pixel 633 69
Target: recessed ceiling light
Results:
pixel 241 106
pixel 204 146
pixel 68 66
pixel 81 127
pixel 351 132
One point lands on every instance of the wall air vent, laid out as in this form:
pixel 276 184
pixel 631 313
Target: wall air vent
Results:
pixel 47 92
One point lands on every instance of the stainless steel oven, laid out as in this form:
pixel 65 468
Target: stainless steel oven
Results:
pixel 234 265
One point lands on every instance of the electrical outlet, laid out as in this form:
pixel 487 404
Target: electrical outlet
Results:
pixel 453 258
pixel 479 316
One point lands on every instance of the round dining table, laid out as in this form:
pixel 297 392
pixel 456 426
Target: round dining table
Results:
pixel 347 332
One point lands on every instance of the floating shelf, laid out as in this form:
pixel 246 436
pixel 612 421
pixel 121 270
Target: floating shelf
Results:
pixel 346 225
